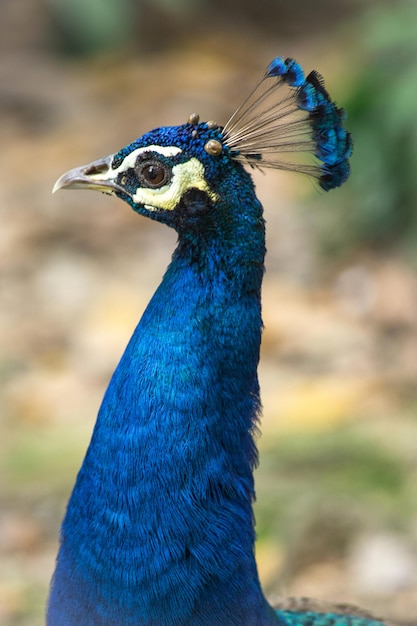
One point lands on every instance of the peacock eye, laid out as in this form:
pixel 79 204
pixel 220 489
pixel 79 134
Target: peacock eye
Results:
pixel 153 173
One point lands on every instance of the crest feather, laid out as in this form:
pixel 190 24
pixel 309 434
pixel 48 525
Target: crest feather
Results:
pixel 287 118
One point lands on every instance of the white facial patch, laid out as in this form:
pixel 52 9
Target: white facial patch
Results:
pixel 130 161
pixel 185 176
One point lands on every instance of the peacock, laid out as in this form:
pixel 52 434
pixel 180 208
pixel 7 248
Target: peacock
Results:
pixel 159 529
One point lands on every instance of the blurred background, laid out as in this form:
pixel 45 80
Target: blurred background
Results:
pixel 337 497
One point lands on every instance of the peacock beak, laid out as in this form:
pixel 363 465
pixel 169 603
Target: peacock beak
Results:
pixel 97 175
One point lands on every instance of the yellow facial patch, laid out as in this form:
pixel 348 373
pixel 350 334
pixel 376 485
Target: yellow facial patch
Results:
pixel 185 176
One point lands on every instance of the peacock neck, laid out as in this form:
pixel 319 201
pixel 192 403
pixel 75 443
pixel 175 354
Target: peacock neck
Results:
pixel 159 529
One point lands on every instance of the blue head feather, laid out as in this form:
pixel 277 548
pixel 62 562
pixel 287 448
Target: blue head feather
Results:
pixel 159 529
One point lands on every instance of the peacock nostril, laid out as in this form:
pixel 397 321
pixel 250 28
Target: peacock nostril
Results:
pixel 98 167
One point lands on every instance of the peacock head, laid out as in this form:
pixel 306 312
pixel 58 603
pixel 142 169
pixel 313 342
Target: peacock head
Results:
pixel 177 173
pixel 166 174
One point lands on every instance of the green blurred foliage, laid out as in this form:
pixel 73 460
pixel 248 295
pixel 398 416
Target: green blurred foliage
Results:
pixel 342 466
pixel 317 492
pixel 89 27
pixel 382 191
pixel 94 25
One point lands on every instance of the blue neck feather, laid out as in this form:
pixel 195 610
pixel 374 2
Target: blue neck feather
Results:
pixel 159 529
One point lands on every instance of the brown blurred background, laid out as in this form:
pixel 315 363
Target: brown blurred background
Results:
pixel 337 501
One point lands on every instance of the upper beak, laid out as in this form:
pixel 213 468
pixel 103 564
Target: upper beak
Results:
pixel 96 175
